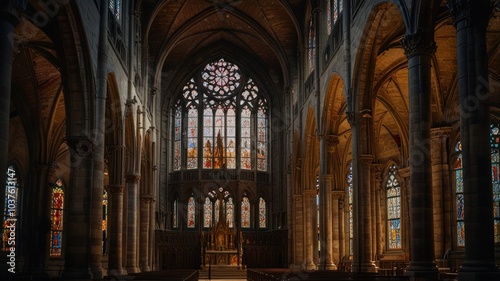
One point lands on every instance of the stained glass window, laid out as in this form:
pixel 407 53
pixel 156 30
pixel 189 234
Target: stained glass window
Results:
pixel 177 136
pixel 329 17
pixel 191 211
pixel 56 218
pixel 104 220
pixel 393 197
pixel 262 213
pixel 230 212
pixel 175 214
pixel 115 8
pixel 10 207
pixel 207 212
pixel 261 137
pixel 459 194
pixel 311 47
pixel 350 197
pixel 216 103
pixel 495 177
pixel 245 213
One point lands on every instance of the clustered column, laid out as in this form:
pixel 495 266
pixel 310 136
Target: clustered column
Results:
pixel 144 230
pixel 115 266
pixel 440 179
pixel 471 21
pixel 310 227
pixel 132 181
pixel 419 48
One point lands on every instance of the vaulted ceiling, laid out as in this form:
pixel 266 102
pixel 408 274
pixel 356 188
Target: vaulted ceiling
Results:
pixel 181 34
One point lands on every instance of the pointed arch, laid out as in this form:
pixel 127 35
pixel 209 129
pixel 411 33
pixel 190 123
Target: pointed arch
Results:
pixel 311 152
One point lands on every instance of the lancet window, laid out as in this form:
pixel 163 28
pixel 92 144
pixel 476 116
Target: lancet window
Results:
pixel 393 199
pixel 56 218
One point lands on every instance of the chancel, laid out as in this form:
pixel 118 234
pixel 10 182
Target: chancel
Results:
pixel 250 139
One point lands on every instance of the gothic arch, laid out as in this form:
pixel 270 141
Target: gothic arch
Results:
pixel 311 151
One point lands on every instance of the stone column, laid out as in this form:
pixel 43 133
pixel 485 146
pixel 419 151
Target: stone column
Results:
pixel 440 184
pixel 471 21
pixel 310 227
pixel 132 181
pixel 144 233
pixel 378 224
pixel 325 196
pixel 419 49
pixel 364 261
pixel 115 266
pixel 298 227
pixel 405 211
pixel 336 212
pixel 77 246
pixel 9 18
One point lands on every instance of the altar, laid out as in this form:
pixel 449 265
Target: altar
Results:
pixel 221 245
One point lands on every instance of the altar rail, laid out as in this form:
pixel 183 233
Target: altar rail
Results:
pixel 170 275
pixel 177 249
pixel 285 274
pixel 265 248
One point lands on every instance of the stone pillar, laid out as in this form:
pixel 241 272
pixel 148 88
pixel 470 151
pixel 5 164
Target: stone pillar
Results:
pixel 364 261
pixel 9 18
pixel 440 184
pixel 336 212
pixel 325 196
pixel 405 211
pixel 77 246
pixel 298 227
pixel 471 21
pixel 144 233
pixel 115 266
pixel 132 181
pixel 310 227
pixel 378 224
pixel 419 48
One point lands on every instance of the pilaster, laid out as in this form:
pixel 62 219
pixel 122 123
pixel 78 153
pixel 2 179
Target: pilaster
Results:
pixel 145 244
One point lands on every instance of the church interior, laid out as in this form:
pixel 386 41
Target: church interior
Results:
pixel 320 136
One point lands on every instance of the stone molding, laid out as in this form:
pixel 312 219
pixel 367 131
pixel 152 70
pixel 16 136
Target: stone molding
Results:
pixel 440 132
pixel 331 142
pixel 116 189
pixel 82 146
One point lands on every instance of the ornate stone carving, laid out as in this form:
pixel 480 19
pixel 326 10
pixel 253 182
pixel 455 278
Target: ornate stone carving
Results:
pixel 115 189
pixel 331 141
pixel 459 10
pixel 351 117
pixel 419 43
pixel 441 132
pixel 81 146
pixel 132 178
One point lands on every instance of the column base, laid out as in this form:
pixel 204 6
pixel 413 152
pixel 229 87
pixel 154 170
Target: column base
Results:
pixel 145 268
pixel 76 274
pixel 327 266
pixel 366 267
pixel 133 269
pixel 116 272
pixel 478 276
pixel 432 275
pixel 310 266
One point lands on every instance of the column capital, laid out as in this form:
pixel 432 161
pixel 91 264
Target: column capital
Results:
pixel 365 113
pixel 440 132
pixel 351 118
pixel 115 189
pixel 366 159
pixel 419 43
pixel 132 178
pixel 404 172
pixel 338 194
pixel 147 198
pixel 464 11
